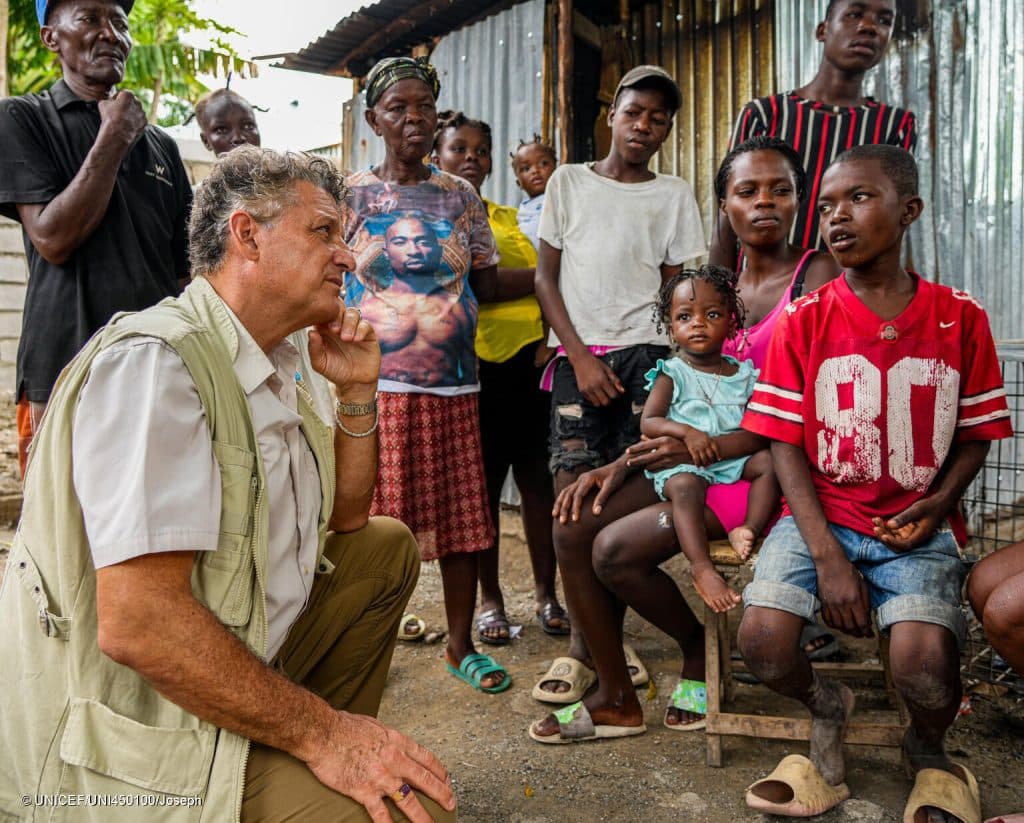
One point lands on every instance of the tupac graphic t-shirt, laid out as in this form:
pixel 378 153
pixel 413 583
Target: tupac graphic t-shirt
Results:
pixel 415 247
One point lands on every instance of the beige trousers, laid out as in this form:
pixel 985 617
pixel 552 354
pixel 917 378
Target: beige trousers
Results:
pixel 340 648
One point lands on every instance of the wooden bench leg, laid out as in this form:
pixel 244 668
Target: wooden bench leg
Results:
pixel 713 677
pixel 725 644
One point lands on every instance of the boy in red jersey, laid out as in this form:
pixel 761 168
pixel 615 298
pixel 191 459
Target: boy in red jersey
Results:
pixel 881 393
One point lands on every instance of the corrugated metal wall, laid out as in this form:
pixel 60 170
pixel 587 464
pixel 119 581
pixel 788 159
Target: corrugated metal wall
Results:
pixel 492 71
pixel 721 52
pixel 962 73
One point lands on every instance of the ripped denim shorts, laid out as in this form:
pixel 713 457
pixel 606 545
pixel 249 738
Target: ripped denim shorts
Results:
pixel 585 436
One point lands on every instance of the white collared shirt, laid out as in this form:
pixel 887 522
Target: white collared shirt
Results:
pixel 147 479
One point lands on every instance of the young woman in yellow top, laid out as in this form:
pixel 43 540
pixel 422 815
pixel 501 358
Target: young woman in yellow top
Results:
pixel 514 411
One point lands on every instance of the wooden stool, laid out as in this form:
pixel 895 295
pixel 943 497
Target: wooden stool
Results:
pixel 721 687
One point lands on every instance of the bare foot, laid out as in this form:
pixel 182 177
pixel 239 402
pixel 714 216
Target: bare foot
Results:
pixel 742 541
pixel 714 591
pixel 832 704
pixel 624 715
pixel 487 682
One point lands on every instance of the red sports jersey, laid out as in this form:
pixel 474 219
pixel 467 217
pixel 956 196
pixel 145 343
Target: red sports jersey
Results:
pixel 876 404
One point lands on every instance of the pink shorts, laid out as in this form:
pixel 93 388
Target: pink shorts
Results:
pixel 729 503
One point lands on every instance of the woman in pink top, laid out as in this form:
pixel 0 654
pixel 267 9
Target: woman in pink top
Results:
pixel 623 529
pixel 756 185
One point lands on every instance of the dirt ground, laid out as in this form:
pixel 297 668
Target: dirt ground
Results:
pixel 500 774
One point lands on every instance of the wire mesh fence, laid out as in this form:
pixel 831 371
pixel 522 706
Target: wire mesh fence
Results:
pixel 994 506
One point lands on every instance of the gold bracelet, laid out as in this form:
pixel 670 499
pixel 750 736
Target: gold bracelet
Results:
pixel 344 409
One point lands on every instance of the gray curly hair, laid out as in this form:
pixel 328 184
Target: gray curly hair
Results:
pixel 258 181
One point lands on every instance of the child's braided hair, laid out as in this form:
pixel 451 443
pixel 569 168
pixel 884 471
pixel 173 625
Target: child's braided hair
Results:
pixel 449 119
pixel 538 141
pixel 722 279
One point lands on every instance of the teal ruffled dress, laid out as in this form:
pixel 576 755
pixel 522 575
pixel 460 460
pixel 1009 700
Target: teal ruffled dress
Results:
pixel 690 394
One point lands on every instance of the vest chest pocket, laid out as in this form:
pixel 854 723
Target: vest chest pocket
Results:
pixel 224 579
pixel 238 488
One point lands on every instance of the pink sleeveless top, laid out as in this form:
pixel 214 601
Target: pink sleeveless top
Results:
pixel 752 343
pixel 729 503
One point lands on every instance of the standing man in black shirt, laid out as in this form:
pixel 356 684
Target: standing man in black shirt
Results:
pixel 102 197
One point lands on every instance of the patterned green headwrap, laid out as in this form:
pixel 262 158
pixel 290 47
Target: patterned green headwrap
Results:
pixel 392 69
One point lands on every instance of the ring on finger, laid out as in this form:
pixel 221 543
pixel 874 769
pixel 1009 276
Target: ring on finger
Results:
pixel 402 792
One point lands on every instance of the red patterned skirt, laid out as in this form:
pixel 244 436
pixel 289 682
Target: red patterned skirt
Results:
pixel 431 474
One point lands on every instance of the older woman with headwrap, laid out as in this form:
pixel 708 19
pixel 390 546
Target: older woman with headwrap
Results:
pixel 425 258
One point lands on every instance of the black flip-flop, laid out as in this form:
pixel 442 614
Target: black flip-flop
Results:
pixel 552 611
pixel 815 631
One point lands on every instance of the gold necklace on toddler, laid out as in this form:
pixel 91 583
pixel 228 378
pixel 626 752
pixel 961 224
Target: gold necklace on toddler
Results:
pixel 700 384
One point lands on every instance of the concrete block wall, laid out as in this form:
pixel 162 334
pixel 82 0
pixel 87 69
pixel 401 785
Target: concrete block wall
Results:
pixel 13 277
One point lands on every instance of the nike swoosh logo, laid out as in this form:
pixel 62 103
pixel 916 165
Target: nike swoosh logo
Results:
pixel 947 325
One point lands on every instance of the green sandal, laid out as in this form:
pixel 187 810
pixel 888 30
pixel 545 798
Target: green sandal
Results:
pixel 475 667
pixel 688 696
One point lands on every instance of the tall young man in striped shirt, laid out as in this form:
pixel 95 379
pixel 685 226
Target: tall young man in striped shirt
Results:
pixel 829 115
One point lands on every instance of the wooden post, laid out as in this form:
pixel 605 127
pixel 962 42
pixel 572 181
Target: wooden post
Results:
pixel 713 678
pixel 565 69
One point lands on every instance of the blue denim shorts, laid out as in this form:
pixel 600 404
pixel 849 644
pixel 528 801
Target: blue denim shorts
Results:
pixel 921 585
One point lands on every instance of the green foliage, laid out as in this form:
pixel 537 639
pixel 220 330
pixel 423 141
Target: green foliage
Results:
pixel 160 63
pixel 30 67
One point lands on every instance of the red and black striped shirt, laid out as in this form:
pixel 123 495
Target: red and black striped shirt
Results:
pixel 819 133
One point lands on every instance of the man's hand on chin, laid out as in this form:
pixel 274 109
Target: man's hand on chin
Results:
pixel 347 353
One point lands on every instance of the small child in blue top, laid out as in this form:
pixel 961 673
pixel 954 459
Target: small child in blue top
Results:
pixel 699 395
pixel 532 164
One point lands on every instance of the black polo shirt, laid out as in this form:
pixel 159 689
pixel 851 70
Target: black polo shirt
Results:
pixel 134 258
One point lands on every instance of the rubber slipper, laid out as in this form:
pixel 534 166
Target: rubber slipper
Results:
pixel 475 667
pixel 1007 818
pixel 579 676
pixel 493 619
pixel 576 725
pixel 688 696
pixel 411 627
pixel 640 677
pixel 814 631
pixel 795 789
pixel 944 791
pixel 552 611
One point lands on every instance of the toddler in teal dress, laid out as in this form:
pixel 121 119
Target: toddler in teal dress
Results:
pixel 696 397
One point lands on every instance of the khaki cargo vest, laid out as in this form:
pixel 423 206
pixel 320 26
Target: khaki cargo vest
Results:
pixel 72 721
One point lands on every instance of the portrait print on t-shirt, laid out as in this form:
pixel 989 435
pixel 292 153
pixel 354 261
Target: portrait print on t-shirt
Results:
pixel 414 252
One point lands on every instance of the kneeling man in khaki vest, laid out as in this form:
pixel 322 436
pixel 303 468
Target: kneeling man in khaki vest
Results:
pixel 198 613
